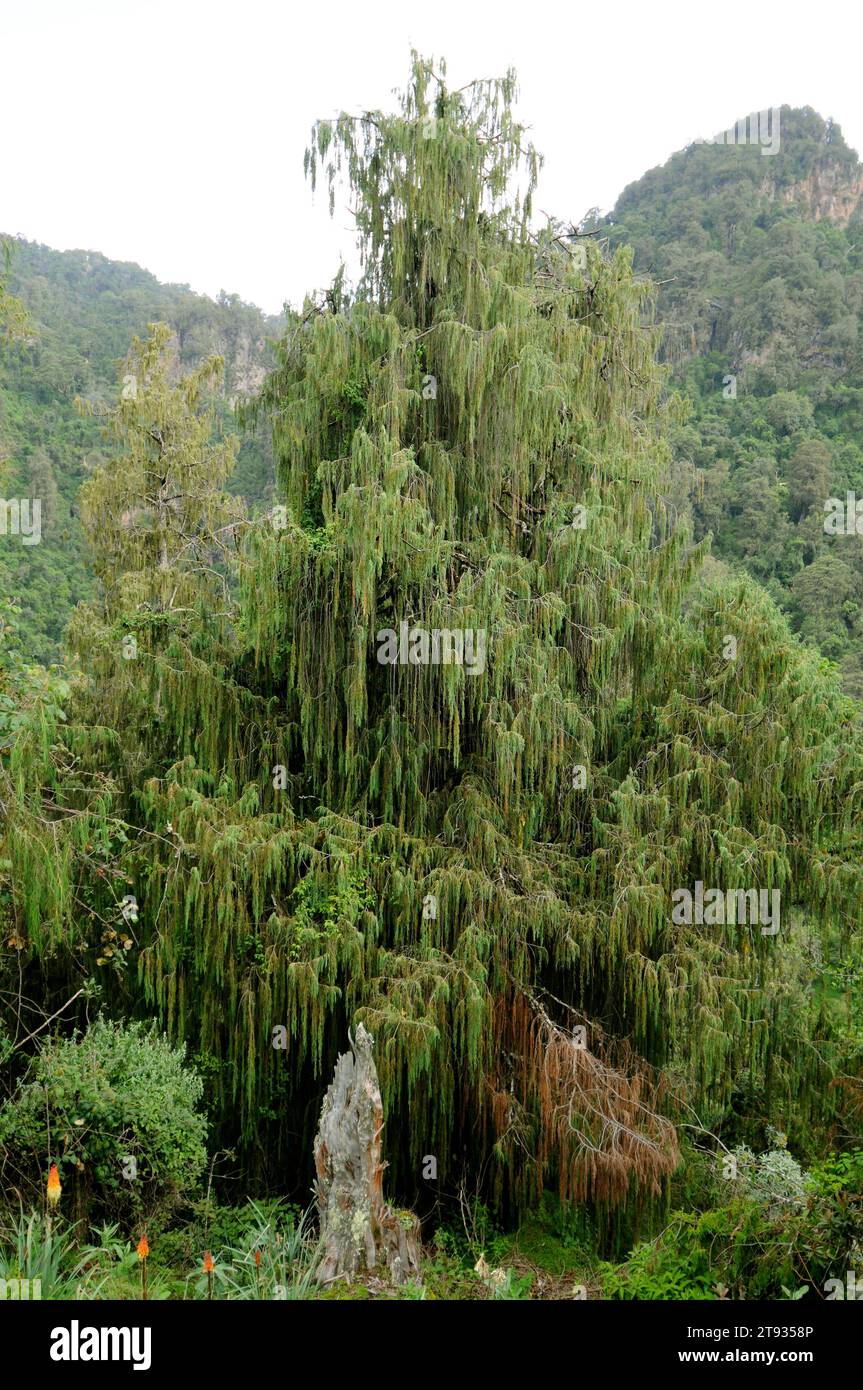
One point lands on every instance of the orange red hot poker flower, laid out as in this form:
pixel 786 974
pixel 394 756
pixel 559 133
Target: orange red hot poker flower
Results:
pixel 54 1188
pixel 143 1249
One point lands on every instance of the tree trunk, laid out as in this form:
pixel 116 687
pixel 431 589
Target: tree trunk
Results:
pixel 358 1230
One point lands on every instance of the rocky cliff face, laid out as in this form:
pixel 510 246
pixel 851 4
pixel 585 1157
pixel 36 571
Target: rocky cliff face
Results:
pixel 827 193
pixel 247 366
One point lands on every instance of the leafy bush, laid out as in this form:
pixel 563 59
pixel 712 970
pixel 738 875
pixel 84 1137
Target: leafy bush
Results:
pixel 838 1172
pixel 748 1249
pixel 116 1109
pixel 672 1267
pixel 773 1177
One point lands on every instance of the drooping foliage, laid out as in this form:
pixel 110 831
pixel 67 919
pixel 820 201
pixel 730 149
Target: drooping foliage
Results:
pixel 474 857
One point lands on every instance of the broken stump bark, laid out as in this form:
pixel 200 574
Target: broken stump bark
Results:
pixel 359 1231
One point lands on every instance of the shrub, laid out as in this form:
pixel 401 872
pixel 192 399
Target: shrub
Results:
pixel 116 1108
pixel 672 1267
pixel 773 1177
pixel 747 1249
pixel 838 1172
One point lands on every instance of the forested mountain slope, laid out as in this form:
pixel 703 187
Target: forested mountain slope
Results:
pixel 759 263
pixel 84 310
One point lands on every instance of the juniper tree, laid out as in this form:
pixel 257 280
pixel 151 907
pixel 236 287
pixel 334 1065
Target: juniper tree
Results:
pixel 160 530
pixel 479 864
pixel 163 534
pixel 475 860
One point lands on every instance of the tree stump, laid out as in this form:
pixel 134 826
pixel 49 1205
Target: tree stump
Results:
pixel 359 1231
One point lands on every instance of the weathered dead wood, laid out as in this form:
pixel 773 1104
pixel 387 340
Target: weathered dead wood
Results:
pixel 359 1231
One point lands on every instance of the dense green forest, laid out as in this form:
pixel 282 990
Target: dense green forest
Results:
pixel 453 663
pixel 83 311
pixel 759 267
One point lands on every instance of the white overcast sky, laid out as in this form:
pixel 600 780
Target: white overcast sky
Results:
pixel 171 132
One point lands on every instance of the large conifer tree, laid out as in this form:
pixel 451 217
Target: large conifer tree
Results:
pixel 478 861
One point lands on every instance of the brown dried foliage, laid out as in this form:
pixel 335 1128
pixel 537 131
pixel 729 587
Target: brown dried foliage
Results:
pixel 599 1128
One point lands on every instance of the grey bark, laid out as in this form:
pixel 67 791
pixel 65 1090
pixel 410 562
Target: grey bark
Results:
pixel 359 1231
